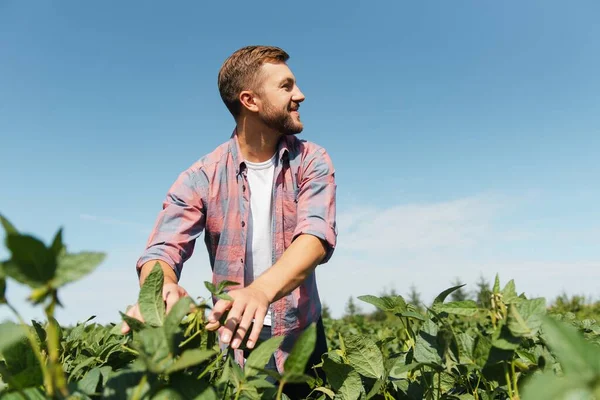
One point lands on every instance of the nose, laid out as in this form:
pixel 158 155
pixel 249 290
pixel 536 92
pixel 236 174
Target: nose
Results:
pixel 297 96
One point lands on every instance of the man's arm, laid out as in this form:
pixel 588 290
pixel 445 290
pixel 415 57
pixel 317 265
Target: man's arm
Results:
pixel 172 240
pixel 294 266
pixel 314 241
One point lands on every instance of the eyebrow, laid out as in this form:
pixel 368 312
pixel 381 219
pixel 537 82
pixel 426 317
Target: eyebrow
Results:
pixel 286 80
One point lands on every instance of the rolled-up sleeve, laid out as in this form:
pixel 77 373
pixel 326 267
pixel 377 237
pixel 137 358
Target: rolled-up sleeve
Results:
pixel 316 201
pixel 179 223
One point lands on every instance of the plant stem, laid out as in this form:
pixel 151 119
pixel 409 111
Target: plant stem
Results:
pixel 280 389
pixel 209 368
pixel 186 341
pixel 514 376
pixel 508 381
pixel 237 393
pixel 59 380
pixel 138 389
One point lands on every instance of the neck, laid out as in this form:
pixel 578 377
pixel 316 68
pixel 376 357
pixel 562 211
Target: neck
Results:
pixel 257 142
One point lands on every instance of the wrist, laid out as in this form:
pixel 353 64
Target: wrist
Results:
pixel 264 289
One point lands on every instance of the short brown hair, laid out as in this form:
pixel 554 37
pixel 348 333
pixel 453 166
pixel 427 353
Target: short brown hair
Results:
pixel 240 71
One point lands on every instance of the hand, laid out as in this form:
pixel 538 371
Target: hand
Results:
pixel 172 292
pixel 248 304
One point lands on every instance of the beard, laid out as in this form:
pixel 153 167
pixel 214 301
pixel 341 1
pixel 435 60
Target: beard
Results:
pixel 281 120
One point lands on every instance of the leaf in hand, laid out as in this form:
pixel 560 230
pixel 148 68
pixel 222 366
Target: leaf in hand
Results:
pixel 151 303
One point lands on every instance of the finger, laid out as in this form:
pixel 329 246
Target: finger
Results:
pixel 171 297
pixel 132 312
pixel 212 326
pixel 240 332
pixel 218 310
pixel 233 319
pixel 259 319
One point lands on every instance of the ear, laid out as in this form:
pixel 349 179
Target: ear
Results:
pixel 249 100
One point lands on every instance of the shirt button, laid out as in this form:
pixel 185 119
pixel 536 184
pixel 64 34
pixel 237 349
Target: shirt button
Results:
pixel 243 224
pixel 243 188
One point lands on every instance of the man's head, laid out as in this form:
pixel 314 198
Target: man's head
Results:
pixel 255 82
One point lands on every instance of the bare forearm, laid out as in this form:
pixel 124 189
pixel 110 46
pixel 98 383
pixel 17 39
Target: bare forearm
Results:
pixel 169 274
pixel 294 266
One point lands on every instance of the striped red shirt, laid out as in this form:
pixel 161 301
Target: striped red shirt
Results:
pixel 212 196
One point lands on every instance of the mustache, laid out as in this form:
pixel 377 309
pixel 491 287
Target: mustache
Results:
pixel 294 107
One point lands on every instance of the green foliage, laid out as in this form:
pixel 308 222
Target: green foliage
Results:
pixel 500 345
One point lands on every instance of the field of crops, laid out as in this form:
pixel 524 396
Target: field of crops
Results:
pixel 505 346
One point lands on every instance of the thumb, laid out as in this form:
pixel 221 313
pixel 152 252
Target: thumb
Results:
pixel 171 297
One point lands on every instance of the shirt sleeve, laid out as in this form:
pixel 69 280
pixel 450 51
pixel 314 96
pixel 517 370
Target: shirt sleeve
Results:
pixel 316 201
pixel 179 223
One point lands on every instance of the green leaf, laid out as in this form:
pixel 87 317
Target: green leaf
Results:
pixel 394 304
pixel 154 349
pixel 301 352
pixel 525 317
pixel 211 288
pixel 326 391
pixel 39 330
pixel 134 324
pixel 364 356
pixel 426 345
pixel 224 296
pixel 399 369
pixel 191 358
pixel 57 248
pixel 504 339
pixel 30 394
pixel 577 356
pixel 344 380
pixel 167 394
pixel 481 350
pixel 8 227
pixel 122 384
pixel 467 308
pixel 175 316
pixel 31 263
pixel 549 386
pixel 466 343
pixel 509 293
pixel 10 333
pixel 442 296
pixel 191 388
pixel 89 383
pixel 72 267
pixel 496 288
pixel 20 360
pixel 225 284
pixel 259 357
pixel 411 314
pixel 151 303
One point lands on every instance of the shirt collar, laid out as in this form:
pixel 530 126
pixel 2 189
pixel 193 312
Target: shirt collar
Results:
pixel 236 153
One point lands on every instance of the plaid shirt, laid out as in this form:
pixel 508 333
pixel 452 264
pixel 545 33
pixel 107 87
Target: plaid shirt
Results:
pixel 212 196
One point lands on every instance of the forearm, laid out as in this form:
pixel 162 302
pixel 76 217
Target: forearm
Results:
pixel 294 266
pixel 169 274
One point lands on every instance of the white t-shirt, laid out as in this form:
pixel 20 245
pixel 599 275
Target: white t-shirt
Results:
pixel 259 255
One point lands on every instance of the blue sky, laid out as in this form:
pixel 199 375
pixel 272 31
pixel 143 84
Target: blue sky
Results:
pixel 465 135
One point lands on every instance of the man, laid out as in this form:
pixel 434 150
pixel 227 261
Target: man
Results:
pixel 266 202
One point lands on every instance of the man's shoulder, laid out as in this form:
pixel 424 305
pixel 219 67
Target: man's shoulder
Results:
pixel 303 147
pixel 212 160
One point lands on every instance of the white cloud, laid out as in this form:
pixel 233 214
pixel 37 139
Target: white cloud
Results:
pixel 417 227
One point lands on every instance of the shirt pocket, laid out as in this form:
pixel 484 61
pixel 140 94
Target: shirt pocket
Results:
pixel 289 200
